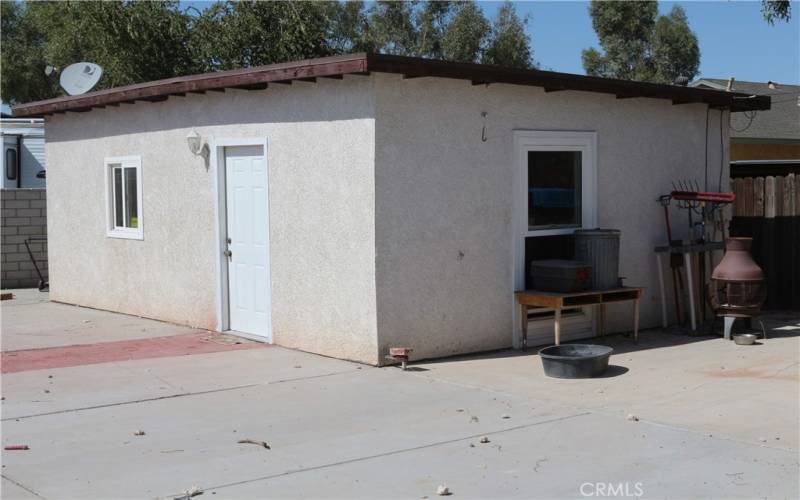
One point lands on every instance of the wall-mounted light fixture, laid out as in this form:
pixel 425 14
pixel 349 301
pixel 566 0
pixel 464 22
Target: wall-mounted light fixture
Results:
pixel 196 145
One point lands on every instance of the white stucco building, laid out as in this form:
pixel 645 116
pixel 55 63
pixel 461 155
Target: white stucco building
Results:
pixel 376 201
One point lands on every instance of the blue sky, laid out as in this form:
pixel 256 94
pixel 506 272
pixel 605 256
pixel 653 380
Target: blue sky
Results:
pixel 734 38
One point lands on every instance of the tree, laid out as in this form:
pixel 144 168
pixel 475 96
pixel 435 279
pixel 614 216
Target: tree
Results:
pixel 624 30
pixel 348 29
pixel 675 52
pixel 391 28
pixel 433 22
pixel 466 35
pixel 136 41
pixel 509 45
pixel 231 34
pixel 776 9
pixel 639 45
pixel 132 41
pixel 22 78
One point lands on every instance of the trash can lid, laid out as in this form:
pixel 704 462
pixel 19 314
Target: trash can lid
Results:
pixel 598 231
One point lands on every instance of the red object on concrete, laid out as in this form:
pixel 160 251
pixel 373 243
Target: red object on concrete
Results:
pixel 399 351
pixel 17 447
pixel 123 350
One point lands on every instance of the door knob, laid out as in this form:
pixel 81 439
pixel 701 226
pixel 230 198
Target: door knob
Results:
pixel 227 253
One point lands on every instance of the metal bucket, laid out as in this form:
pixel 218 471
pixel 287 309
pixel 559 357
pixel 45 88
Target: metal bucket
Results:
pixel 600 249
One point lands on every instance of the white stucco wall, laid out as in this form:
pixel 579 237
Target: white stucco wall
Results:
pixel 321 195
pixel 390 219
pixel 444 199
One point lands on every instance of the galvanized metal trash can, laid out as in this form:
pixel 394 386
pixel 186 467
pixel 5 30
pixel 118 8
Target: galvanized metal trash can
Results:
pixel 600 249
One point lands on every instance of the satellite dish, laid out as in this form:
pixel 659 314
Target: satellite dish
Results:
pixel 79 78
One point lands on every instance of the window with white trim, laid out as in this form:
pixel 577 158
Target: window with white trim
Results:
pixel 124 196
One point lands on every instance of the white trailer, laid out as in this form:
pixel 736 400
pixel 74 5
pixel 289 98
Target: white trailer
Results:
pixel 22 163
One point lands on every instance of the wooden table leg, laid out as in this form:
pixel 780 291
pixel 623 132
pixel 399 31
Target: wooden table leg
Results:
pixel 524 316
pixel 602 320
pixel 557 326
pixel 636 320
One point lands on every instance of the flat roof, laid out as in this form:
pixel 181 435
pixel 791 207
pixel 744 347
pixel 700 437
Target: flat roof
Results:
pixel 259 77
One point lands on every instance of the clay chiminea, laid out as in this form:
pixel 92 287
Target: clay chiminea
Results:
pixel 737 288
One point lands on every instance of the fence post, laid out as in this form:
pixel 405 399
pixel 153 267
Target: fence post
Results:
pixel 789 195
pixel 769 197
pixel 758 197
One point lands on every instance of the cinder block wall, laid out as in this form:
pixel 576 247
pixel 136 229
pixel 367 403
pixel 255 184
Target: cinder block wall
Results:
pixel 23 214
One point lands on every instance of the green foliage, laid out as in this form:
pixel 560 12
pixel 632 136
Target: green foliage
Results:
pixel 639 45
pixel 675 51
pixel 391 28
pixel 347 32
pixel 624 30
pixel 509 45
pixel 776 9
pixel 136 41
pixel 132 41
pixel 231 34
pixel 22 54
pixel 466 35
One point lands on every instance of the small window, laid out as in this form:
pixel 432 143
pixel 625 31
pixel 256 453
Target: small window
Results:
pixel 124 177
pixel 554 189
pixel 11 164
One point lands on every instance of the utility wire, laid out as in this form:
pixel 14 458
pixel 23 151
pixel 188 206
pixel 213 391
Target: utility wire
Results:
pixel 751 115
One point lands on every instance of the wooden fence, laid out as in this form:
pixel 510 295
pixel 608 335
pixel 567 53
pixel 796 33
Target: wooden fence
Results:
pixel 768 197
pixel 767 209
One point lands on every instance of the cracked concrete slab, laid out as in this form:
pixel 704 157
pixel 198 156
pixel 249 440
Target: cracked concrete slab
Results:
pixel 308 423
pixel 113 383
pixel 703 383
pixel 709 413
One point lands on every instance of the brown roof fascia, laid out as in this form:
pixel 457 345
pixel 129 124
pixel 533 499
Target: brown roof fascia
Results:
pixel 553 81
pixel 409 67
pixel 335 67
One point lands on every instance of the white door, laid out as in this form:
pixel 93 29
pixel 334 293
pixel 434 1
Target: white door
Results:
pixel 555 193
pixel 248 240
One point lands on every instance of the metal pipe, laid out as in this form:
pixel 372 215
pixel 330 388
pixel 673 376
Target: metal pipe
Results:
pixel 19 161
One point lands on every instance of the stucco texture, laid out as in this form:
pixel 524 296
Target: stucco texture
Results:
pixel 390 218
pixel 320 160
pixel 444 199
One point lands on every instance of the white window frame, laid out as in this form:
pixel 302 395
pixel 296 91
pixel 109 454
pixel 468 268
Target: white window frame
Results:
pixel 112 231
pixel 548 140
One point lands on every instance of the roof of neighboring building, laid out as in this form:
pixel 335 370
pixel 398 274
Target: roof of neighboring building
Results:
pixel 781 121
pixel 260 77
pixel 33 127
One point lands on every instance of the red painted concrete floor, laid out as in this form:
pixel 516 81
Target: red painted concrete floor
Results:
pixel 124 350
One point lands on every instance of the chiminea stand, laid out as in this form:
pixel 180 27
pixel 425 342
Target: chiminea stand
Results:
pixel 687 251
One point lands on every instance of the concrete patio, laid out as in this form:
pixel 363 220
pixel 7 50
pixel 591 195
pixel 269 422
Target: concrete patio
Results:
pixel 715 420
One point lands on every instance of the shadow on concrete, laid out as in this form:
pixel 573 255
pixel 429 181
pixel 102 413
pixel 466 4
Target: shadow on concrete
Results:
pixel 614 371
pixel 778 324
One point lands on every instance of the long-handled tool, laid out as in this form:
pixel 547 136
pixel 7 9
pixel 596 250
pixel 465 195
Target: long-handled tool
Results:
pixel 688 196
pixel 675 261
pixel 44 285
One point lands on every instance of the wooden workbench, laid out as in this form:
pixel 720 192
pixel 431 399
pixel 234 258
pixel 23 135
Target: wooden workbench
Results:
pixel 558 301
